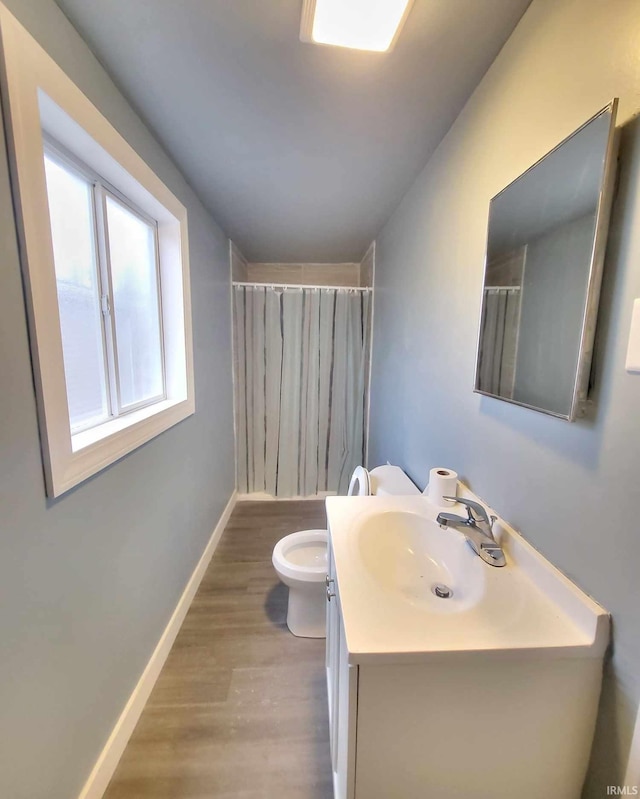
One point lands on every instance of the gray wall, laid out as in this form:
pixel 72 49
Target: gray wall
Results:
pixel 554 288
pixel 570 488
pixel 89 581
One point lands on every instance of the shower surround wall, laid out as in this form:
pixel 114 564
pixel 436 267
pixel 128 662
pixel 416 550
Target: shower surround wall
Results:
pixel 570 488
pixel 346 274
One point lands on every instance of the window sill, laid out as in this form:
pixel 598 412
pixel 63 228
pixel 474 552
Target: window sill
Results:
pixel 86 438
pixel 92 450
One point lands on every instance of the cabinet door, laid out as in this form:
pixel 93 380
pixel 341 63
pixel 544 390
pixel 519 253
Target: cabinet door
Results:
pixel 342 693
pixel 332 654
pixel 345 727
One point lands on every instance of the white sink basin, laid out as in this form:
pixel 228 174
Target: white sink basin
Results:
pixel 389 553
pixel 411 559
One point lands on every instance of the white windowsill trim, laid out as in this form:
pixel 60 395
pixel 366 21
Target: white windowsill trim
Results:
pixel 85 438
pixel 100 446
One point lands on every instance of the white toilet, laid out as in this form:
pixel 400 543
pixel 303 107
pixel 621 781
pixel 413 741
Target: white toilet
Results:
pixel 300 559
pixel 301 562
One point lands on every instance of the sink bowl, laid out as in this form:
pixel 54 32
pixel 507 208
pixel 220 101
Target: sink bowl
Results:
pixel 389 553
pixel 412 560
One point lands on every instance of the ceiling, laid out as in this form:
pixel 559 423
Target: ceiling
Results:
pixel 301 152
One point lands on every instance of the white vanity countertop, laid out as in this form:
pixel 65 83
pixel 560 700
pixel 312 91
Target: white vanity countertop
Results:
pixel 527 608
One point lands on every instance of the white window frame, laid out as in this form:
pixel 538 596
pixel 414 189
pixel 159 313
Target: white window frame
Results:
pixel 42 102
pixel 101 191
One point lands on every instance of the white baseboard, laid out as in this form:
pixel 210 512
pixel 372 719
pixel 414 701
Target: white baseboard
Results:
pixel 106 764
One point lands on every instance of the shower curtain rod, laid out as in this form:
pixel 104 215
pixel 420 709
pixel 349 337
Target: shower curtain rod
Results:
pixel 300 286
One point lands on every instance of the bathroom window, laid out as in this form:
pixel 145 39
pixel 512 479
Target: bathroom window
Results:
pixel 108 286
pixel 104 251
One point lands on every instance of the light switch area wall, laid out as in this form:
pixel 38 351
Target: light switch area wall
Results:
pixel 570 488
pixel 88 581
pixel 632 777
pixel 633 351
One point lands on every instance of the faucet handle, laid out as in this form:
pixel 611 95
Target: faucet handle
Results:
pixel 472 506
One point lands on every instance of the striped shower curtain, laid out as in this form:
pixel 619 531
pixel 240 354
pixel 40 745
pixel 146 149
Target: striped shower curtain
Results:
pixel 499 340
pixel 301 362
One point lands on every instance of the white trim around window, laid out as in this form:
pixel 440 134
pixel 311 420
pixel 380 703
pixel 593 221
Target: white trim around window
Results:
pixel 40 100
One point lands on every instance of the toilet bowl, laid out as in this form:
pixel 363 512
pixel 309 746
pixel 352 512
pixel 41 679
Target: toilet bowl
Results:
pixel 300 559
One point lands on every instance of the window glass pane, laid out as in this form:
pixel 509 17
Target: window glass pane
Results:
pixel 72 230
pixel 134 279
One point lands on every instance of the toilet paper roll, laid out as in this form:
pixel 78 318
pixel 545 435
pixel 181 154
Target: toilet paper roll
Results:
pixel 442 483
pixel 359 485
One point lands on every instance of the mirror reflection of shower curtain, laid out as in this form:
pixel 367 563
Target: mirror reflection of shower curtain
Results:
pixel 499 337
pixel 301 358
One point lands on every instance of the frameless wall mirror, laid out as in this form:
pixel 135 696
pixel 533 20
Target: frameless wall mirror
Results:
pixel 543 269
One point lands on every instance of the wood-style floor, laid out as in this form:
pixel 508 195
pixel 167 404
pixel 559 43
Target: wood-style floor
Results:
pixel 239 710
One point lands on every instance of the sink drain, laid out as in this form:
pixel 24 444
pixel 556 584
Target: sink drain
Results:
pixel 442 591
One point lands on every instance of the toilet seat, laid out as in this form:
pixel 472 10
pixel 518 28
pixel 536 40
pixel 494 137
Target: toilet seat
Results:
pixel 360 485
pixel 302 556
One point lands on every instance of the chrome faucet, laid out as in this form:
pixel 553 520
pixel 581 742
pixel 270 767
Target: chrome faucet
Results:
pixel 477 528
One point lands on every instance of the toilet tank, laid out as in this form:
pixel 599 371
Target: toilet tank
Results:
pixel 386 480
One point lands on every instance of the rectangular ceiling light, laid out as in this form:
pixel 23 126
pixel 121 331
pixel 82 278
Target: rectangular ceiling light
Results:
pixel 359 24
